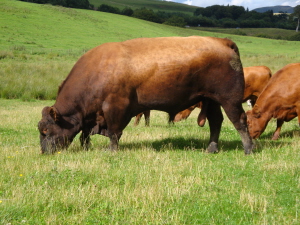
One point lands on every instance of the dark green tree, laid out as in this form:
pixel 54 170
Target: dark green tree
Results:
pixel 109 9
pixel 175 21
pixel 297 14
pixel 127 11
pixel 146 14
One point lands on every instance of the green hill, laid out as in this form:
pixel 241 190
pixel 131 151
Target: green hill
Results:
pixel 276 9
pixel 36 26
pixel 45 26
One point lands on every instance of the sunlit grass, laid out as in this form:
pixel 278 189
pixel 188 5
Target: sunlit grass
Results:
pixel 160 175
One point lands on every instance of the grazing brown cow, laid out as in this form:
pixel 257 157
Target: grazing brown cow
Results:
pixel 116 81
pixel 280 99
pixel 256 78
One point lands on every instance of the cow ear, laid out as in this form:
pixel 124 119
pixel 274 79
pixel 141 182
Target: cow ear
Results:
pixel 54 114
pixel 256 111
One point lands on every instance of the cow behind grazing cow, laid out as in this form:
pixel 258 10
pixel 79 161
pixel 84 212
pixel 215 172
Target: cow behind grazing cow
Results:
pixel 256 78
pixel 116 81
pixel 280 100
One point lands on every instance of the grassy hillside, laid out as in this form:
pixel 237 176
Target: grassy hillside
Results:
pixel 46 26
pixel 39 44
pixel 155 5
pixel 27 26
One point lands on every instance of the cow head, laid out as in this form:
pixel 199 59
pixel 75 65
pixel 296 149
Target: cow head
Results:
pixel 55 130
pixel 255 122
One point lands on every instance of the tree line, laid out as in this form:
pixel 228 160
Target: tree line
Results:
pixel 212 16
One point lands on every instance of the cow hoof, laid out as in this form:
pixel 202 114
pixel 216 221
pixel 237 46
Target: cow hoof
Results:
pixel 274 138
pixel 248 152
pixel 212 148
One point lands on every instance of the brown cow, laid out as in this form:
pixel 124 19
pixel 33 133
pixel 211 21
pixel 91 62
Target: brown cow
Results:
pixel 256 78
pixel 116 81
pixel 139 116
pixel 280 99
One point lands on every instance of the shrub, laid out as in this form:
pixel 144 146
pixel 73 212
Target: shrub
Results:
pixel 239 32
pixel 295 37
pixel 109 9
pixel 175 21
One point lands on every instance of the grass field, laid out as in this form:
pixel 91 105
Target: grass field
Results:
pixel 274 33
pixel 161 174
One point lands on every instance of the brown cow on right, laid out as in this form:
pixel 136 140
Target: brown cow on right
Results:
pixel 280 100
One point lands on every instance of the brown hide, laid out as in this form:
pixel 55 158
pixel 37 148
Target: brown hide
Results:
pixel 256 78
pixel 116 81
pixel 280 100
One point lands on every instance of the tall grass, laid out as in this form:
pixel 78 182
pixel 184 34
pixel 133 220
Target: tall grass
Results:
pixel 160 175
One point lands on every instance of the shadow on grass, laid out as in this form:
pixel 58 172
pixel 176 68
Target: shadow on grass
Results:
pixel 195 144
pixel 182 144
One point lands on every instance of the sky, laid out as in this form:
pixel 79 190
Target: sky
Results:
pixel 250 4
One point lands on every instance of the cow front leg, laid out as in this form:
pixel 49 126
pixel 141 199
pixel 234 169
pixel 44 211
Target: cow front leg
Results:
pixel 215 119
pixel 278 128
pixel 238 117
pixel 114 141
pixel 117 115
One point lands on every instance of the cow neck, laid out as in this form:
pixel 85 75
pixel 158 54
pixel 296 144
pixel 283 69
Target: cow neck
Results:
pixel 265 114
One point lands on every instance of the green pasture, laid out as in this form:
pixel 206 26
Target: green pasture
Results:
pixel 274 33
pixel 39 44
pixel 161 174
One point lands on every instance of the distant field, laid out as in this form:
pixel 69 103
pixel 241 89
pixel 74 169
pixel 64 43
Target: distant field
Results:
pixel 155 5
pixel 273 33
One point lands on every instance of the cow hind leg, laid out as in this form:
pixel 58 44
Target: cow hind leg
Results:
pixel 137 119
pixel 215 119
pixel 237 116
pixel 147 118
pixel 203 113
pixel 278 128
